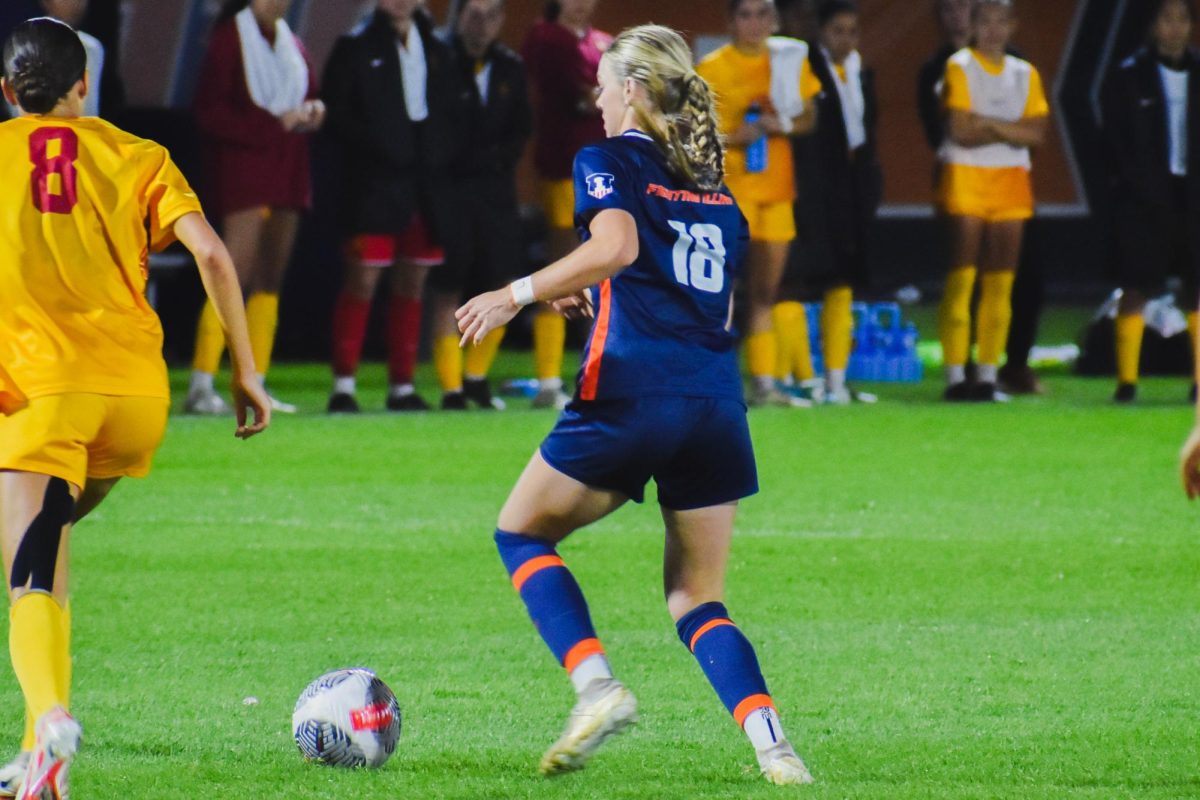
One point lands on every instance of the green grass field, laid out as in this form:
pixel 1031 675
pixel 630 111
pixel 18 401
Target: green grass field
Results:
pixel 948 602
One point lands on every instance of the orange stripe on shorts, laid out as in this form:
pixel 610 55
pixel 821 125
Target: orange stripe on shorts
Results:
pixel 585 649
pixel 534 565
pixel 705 628
pixel 750 705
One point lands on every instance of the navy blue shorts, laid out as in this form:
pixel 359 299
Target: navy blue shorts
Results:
pixel 697 449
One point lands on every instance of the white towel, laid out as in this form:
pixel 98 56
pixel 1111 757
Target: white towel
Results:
pixel 277 77
pixel 787 61
pixel 850 92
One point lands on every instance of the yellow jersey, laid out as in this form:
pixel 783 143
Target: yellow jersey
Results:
pixel 738 81
pixel 84 202
pixel 1009 90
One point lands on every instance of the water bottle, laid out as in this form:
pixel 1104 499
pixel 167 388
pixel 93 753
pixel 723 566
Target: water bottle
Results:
pixel 756 151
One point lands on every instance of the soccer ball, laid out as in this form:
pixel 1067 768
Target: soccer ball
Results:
pixel 347 718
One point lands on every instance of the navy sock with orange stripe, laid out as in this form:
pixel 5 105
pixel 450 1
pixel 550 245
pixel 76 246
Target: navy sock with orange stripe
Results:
pixel 729 663
pixel 555 604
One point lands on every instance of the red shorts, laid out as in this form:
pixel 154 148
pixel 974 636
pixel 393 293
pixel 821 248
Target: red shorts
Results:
pixel 382 250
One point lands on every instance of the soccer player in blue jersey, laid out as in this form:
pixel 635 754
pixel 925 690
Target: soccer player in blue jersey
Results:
pixel 659 395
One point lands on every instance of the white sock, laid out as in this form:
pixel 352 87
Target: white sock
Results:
pixel 401 390
pixel 764 382
pixel 588 670
pixel 550 384
pixel 764 729
pixel 478 378
pixel 955 373
pixel 201 381
pixel 835 380
pixel 985 373
pixel 344 384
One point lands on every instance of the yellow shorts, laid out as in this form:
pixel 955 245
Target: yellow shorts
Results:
pixel 770 222
pixel 558 203
pixel 79 436
pixel 992 194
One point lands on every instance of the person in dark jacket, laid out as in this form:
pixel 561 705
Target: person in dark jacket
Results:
pixel 483 249
pixel 393 99
pixel 1151 107
pixel 843 181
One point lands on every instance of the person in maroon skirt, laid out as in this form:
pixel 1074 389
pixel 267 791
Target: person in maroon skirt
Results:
pixel 256 106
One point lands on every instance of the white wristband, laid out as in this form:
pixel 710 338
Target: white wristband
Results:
pixel 522 291
pixel 785 124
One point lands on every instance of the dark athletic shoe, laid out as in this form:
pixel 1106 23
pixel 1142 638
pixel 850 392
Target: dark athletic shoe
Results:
pixel 454 401
pixel 1125 394
pixel 957 392
pixel 342 403
pixel 987 393
pixel 479 392
pixel 1015 379
pixel 407 402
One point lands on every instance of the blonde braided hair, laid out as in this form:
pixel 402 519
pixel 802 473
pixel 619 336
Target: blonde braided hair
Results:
pixel 658 59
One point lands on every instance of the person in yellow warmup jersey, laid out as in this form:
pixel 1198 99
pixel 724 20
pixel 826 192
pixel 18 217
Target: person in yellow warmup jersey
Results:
pixel 765 88
pixel 83 385
pixel 996 111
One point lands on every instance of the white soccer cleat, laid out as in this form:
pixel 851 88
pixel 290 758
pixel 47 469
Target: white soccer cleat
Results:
pixel 205 402
pixel 280 407
pixel 551 398
pixel 12 775
pixel 770 396
pixel 781 766
pixel 58 736
pixel 604 709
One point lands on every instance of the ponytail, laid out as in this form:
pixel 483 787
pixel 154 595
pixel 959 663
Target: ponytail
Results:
pixel 685 127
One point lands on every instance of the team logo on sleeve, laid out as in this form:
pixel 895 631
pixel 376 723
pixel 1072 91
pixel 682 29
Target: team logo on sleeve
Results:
pixel 600 185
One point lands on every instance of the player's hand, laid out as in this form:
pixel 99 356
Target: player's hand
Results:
pixel 577 306
pixel 1189 464
pixel 748 133
pixel 314 115
pixel 249 395
pixel 483 313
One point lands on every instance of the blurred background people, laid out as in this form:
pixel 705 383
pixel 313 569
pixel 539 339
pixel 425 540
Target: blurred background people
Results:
pixel 841 171
pixel 1150 107
pixel 393 96
pixel 996 110
pixel 765 92
pixel 256 104
pixel 483 247
pixel 562 53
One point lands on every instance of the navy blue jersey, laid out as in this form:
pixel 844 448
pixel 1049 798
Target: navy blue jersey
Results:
pixel 664 323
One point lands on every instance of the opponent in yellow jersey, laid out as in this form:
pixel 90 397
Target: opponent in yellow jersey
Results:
pixel 764 87
pixel 83 386
pixel 996 111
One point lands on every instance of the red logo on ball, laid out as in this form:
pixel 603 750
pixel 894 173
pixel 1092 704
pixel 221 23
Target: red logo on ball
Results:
pixel 372 718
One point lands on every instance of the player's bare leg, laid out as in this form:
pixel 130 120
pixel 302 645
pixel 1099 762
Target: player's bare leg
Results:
pixel 545 507
pixel 694 561
pixel 36 513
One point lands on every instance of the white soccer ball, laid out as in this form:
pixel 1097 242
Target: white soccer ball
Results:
pixel 347 718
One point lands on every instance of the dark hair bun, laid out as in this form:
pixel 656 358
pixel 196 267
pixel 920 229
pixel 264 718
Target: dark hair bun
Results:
pixel 43 59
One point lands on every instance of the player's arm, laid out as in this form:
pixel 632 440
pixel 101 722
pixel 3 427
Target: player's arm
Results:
pixel 612 247
pixel 968 129
pixel 1189 457
pixel 1028 132
pixel 221 284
